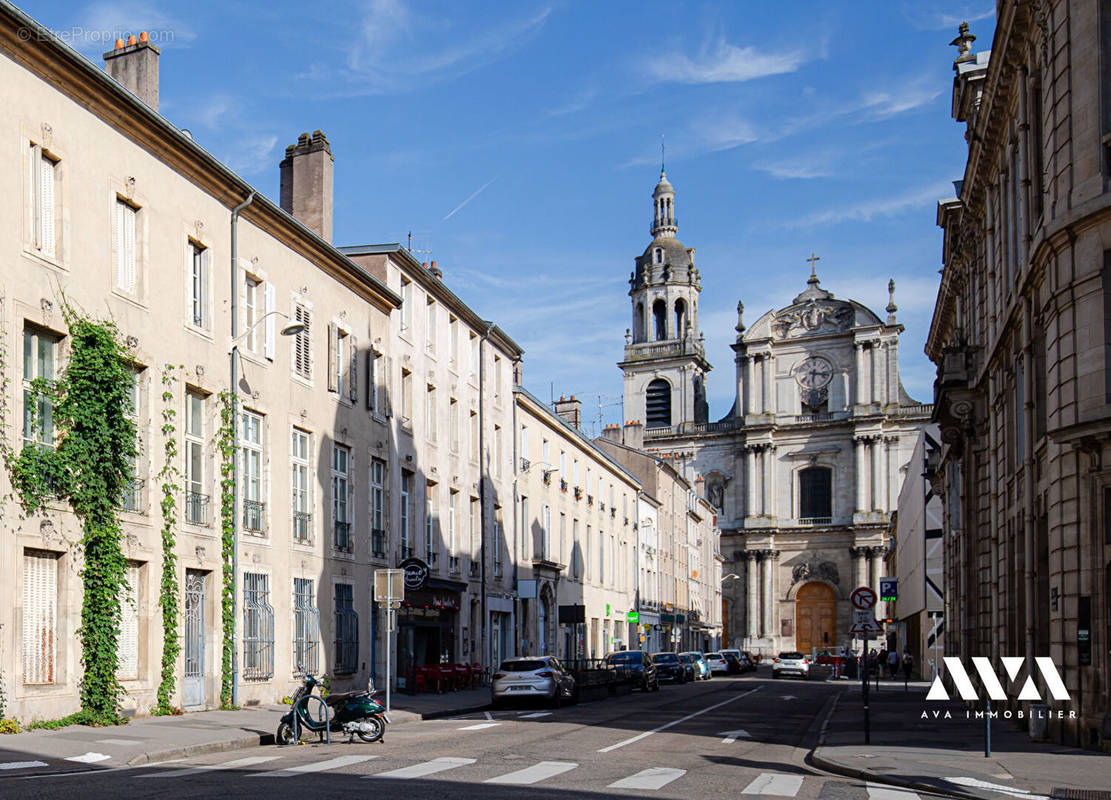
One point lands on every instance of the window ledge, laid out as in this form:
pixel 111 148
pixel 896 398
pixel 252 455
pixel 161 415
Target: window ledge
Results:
pixel 129 298
pixel 46 261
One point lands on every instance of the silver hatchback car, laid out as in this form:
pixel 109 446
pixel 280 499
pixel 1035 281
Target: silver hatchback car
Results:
pixel 536 678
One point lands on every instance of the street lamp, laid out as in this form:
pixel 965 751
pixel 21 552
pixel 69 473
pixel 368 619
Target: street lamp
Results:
pixel 291 328
pixel 732 576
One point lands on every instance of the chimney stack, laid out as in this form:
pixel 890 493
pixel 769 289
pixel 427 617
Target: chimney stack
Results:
pixel 306 191
pixel 570 410
pixel 134 64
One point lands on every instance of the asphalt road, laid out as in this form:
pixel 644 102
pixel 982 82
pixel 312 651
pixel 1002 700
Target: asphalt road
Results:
pixel 711 739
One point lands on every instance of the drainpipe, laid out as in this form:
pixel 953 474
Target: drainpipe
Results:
pixel 1029 522
pixel 516 531
pixel 483 465
pixel 235 447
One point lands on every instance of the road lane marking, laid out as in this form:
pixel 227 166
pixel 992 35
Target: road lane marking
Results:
pixel 489 715
pixel 118 741
pixel 664 727
pixel 732 736
pixel 535 773
pixel 651 778
pixel 427 768
pixel 878 791
pixel 774 783
pixel 317 766
pixel 22 764
pixel 479 726
pixel 89 758
pixel 976 783
pixel 536 714
pixel 181 773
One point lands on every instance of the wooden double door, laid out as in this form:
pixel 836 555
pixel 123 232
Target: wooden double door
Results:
pixel 815 617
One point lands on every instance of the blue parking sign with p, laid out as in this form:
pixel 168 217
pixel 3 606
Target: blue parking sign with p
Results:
pixel 889 589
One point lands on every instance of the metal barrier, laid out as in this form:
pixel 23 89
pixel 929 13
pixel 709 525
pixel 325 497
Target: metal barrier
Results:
pixel 304 701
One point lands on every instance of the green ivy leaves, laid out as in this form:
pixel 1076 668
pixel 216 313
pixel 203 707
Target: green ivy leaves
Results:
pixel 169 476
pixel 225 445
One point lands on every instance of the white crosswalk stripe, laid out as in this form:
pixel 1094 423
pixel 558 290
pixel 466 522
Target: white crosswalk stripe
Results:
pixel 535 773
pixel 775 783
pixel 878 791
pixel 480 726
pixel 22 764
pixel 236 764
pixel 316 766
pixel 425 769
pixel 652 778
pixel 536 714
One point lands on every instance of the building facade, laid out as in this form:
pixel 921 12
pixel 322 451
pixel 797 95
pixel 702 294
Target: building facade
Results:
pixel 1020 335
pixel 805 470
pixel 576 536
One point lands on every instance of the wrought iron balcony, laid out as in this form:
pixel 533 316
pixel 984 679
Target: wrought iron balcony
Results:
pixel 342 536
pixel 196 508
pixel 254 514
pixel 453 565
pixel 378 543
pixel 302 527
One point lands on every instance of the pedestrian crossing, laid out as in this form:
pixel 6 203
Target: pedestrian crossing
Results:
pixel 771 785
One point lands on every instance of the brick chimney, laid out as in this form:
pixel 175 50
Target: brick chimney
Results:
pixel 570 410
pixel 633 435
pixel 306 191
pixel 134 64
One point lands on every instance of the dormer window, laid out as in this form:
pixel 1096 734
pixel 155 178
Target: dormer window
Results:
pixel 659 255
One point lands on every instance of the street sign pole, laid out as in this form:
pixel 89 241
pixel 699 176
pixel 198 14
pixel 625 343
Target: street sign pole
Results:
pixel 864 690
pixel 389 587
pixel 863 600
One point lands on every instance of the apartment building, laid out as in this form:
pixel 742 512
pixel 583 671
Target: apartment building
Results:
pixel 576 536
pixel 1021 335
pixel 682 554
pixel 441 491
pixel 110 208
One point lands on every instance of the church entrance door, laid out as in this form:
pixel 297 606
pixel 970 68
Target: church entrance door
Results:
pixel 815 618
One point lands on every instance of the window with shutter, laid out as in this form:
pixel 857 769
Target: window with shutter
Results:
pixel 198 285
pixel 302 343
pixel 371 380
pixel 124 238
pixel 40 614
pixel 47 243
pixel 128 647
pixel 333 357
pixel 269 337
pixel 353 371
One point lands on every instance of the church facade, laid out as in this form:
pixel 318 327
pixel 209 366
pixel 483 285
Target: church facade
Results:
pixel 805 470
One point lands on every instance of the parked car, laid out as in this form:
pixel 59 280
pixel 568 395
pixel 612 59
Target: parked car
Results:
pixel 717 663
pixel 640 664
pixel 748 662
pixel 540 677
pixel 726 652
pixel 791 663
pixel 733 664
pixel 670 667
pixel 702 669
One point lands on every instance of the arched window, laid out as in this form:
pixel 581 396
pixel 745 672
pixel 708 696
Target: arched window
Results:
pixel 680 317
pixel 638 323
pixel 659 255
pixel 659 318
pixel 657 412
pixel 816 493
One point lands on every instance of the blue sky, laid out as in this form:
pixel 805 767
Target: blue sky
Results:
pixel 520 143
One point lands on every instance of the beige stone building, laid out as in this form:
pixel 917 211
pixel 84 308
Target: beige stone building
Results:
pixel 679 560
pixel 805 469
pixel 1021 335
pixel 576 536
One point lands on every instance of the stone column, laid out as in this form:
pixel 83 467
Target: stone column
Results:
pixel 750 479
pixel 748 398
pixel 877 567
pixel 875 372
pixel 765 383
pixel 857 554
pixel 752 608
pixel 766 470
pixel 858 446
pixel 771 483
pixel 885 474
pixel 875 445
pixel 769 565
pixel 859 347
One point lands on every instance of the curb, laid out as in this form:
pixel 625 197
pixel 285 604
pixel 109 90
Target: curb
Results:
pixel 241 743
pixel 452 712
pixel 891 780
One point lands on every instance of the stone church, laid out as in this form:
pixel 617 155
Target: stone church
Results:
pixel 805 469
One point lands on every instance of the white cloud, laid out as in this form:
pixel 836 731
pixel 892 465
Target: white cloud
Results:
pixel 804 166
pixel 907 97
pixel 253 155
pixel 933 16
pixel 721 62
pixel 100 24
pixel 868 210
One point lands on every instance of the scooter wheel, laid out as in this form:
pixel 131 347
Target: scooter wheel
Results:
pixel 374 735
pixel 285 734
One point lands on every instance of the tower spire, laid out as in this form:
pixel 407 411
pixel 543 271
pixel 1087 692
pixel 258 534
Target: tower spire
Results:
pixel 663 156
pixel 663 205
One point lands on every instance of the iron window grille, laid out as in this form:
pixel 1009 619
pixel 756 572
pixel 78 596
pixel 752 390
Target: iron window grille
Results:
pixel 253 513
pixel 343 536
pixel 132 495
pixel 815 493
pixel 258 627
pixel 473 572
pixel 196 508
pixel 302 527
pixel 453 564
pixel 306 627
pixel 347 631
pixel 378 543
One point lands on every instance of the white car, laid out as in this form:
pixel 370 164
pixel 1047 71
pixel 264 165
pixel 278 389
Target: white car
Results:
pixel 791 664
pixel 716 662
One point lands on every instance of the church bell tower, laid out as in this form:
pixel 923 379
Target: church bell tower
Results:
pixel 665 360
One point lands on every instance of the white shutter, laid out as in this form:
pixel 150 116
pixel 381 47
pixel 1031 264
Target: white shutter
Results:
pixel 128 645
pixel 353 371
pixel 129 247
pixel 268 341
pixel 206 280
pixel 385 378
pixel 333 332
pixel 33 193
pixel 40 611
pixel 46 206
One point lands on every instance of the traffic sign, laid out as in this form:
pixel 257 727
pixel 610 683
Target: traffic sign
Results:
pixel 870 626
pixel 863 598
pixel 860 617
pixel 889 589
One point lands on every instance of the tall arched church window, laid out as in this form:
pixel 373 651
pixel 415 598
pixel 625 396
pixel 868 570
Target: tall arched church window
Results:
pixel 657 411
pixel 816 493
pixel 680 317
pixel 638 324
pixel 659 255
pixel 659 319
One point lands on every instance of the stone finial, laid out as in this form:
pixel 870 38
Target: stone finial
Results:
pixel 891 307
pixel 963 43
pixel 740 326
pixel 628 337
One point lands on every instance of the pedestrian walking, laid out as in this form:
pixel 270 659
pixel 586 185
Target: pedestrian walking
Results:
pixel 892 663
pixel 908 664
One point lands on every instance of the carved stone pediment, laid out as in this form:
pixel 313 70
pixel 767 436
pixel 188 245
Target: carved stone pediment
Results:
pixel 814 317
pixel 826 570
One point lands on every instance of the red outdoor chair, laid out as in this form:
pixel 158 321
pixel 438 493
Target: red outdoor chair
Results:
pixel 476 675
pixel 462 676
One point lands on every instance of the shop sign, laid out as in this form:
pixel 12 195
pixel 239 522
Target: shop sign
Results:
pixel 416 574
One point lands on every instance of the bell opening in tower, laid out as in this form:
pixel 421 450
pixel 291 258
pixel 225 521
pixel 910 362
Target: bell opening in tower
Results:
pixel 657 411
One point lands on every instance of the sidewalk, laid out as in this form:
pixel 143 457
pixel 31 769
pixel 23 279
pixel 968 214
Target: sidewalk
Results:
pixel 948 754
pixel 432 706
